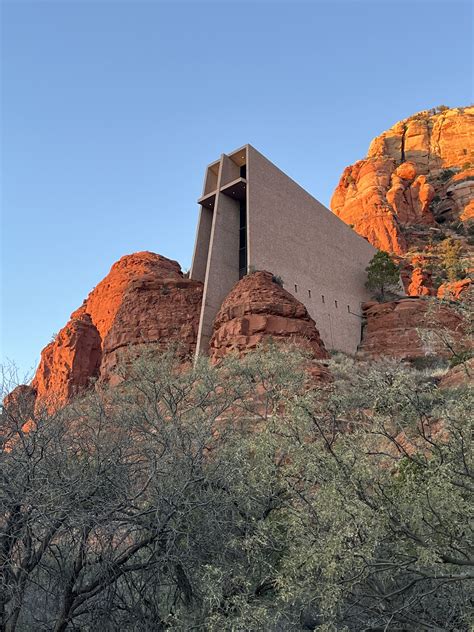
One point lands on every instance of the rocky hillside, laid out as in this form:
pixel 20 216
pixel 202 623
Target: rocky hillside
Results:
pixel 414 189
pixel 411 329
pixel 144 300
pixel 413 196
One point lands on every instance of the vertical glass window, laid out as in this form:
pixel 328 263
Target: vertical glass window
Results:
pixel 243 239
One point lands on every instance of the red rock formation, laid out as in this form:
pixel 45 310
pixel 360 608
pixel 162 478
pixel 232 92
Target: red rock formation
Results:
pixel 106 298
pixel 460 191
pixel 430 139
pixel 407 329
pixel 154 311
pixel 409 179
pixel 460 375
pixel 144 300
pixel 421 283
pixel 360 201
pixel 68 363
pixel 257 310
pixel 454 290
pixel 20 404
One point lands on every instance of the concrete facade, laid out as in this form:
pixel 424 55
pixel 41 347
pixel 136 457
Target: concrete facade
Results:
pixel 254 217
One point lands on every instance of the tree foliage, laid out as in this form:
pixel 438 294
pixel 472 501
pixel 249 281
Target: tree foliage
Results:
pixel 383 275
pixel 450 254
pixel 240 497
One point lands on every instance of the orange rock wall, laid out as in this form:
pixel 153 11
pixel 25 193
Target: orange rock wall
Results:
pixel 257 310
pixel 144 300
pixel 68 363
pixel 406 168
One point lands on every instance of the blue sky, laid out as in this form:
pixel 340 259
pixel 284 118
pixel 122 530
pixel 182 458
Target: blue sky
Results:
pixel 112 110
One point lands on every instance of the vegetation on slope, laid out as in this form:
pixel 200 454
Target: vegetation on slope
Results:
pixel 241 498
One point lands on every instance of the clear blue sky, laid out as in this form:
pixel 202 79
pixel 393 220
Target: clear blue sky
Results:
pixel 112 110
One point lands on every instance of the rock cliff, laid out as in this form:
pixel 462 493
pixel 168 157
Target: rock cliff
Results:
pixel 69 362
pixel 257 310
pixel 154 311
pixel 415 186
pixel 144 300
pixel 408 329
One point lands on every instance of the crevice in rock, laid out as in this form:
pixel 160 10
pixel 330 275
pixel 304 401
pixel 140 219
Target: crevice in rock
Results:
pixel 403 144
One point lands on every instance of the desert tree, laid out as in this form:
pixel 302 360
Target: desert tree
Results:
pixel 143 507
pixel 383 275
pixel 242 497
pixel 383 538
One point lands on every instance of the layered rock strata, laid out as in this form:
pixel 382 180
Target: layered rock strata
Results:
pixel 258 310
pixel 410 328
pixel 416 176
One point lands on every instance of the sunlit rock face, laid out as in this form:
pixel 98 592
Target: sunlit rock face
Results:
pixel 155 311
pixel 407 329
pixel 454 290
pixel 68 363
pixel 416 176
pixel 258 310
pixel 144 301
pixel 106 299
pixel 420 282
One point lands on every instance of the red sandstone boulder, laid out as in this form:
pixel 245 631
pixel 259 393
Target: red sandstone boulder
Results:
pixel 258 310
pixel 460 375
pixel 420 283
pixel 156 311
pixel 407 329
pixel 68 363
pixel 144 300
pixel 106 298
pixel 454 290
pixel 420 280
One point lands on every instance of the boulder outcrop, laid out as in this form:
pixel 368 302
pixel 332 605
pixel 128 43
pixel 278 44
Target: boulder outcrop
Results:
pixel 420 279
pixel 155 311
pixel 144 300
pixel 257 310
pixel 408 328
pixel 68 363
pixel 432 139
pixel 417 174
pixel 106 299
pixel 453 290
pixel 460 375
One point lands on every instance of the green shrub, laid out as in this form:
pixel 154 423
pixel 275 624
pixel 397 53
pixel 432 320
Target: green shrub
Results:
pixel 447 174
pixel 449 252
pixel 383 275
pixel 461 357
pixel 234 497
pixel 438 235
